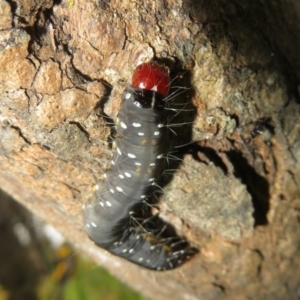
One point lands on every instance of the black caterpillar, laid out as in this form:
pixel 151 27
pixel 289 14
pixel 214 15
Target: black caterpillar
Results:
pixel 118 215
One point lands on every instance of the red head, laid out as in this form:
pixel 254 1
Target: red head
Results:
pixel 153 77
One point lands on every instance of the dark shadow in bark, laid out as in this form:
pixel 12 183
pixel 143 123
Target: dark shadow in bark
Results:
pixel 257 186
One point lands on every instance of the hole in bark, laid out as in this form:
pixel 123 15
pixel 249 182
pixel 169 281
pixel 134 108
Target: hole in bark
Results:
pixel 257 186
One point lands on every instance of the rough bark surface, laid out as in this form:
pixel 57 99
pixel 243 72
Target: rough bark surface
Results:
pixel 237 198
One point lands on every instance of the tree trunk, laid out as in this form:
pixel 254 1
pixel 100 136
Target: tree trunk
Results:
pixel 236 198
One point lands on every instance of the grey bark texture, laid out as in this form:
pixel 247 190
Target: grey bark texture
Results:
pixel 236 198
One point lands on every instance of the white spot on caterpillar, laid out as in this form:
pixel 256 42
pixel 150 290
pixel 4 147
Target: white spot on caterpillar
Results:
pixel 112 162
pixel 119 151
pixel 127 174
pixel 108 203
pixel 83 206
pixel 131 155
pixel 141 133
pixel 127 95
pixel 131 250
pixel 141 259
pixel 121 176
pixel 93 224
pixel 151 179
pixel 88 226
pixel 123 125
pixel 101 203
pixel 136 125
pixel 104 175
pixel 159 156
pixel 154 88
pixel 152 164
pixel 124 250
pixel 119 189
pixel 160 125
pixel 156 133
pixel 112 191
pixel 142 85
pixel 143 196
pixel 137 164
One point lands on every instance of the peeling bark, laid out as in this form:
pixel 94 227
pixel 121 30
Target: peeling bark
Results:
pixel 236 198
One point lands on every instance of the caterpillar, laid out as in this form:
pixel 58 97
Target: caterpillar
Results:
pixel 117 216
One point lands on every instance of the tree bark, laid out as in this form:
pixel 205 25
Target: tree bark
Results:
pixel 236 198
